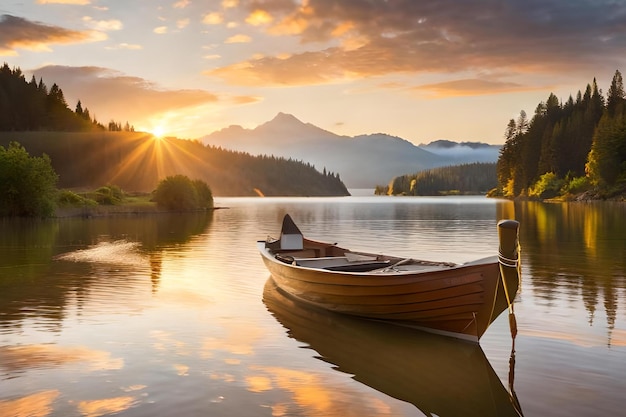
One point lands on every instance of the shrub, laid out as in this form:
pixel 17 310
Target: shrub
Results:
pixel 205 196
pixel 70 198
pixel 547 186
pixel 27 184
pixel 108 195
pixel 576 185
pixel 178 192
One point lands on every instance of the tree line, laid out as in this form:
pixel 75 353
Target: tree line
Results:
pixel 135 161
pixel 567 148
pixel 32 106
pixel 474 178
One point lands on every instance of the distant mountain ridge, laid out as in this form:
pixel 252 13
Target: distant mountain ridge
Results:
pixel 362 161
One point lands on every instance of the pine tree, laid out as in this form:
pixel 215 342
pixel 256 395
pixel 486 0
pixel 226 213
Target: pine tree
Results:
pixel 616 95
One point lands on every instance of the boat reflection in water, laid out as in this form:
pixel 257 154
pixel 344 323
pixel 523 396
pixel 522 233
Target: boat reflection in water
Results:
pixel 441 376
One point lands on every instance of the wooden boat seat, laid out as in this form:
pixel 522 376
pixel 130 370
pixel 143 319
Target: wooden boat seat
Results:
pixel 341 263
pixel 359 266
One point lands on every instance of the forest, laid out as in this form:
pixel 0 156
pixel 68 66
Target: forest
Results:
pixel 571 149
pixel 476 178
pixel 137 161
pixel 86 154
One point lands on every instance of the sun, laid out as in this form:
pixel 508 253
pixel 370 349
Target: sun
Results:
pixel 158 131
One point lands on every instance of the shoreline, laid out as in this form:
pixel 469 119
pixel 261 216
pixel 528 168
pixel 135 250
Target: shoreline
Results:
pixel 118 210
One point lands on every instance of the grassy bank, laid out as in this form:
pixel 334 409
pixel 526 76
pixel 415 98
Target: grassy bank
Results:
pixel 130 204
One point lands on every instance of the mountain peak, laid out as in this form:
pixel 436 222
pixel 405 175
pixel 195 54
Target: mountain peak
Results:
pixel 285 118
pixel 283 121
pixel 289 126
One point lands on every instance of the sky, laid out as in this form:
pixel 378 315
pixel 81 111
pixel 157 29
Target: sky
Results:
pixel 421 70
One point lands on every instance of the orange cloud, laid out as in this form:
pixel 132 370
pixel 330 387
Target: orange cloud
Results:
pixel 469 87
pixel 259 17
pixel 240 38
pixel 181 4
pixel 300 69
pixel 19 33
pixel 213 18
pixel 106 89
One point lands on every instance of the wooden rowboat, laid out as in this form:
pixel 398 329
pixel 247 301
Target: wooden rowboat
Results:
pixel 459 300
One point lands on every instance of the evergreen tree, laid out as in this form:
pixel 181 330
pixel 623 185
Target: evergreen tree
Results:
pixel 522 122
pixel 28 106
pixel 616 95
pixel 567 141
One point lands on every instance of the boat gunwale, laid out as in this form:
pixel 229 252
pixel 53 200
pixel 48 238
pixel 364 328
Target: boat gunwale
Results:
pixel 427 270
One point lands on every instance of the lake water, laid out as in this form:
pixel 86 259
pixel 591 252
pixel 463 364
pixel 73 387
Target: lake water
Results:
pixel 174 315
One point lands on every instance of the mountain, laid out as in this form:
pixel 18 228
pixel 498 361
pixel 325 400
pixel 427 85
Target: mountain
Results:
pixel 362 161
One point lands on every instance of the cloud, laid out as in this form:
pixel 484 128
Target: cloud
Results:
pixel 101 90
pixel 181 4
pixel 240 38
pixel 370 39
pixel 76 2
pixel 213 18
pixel 258 18
pixel 19 33
pixel 103 25
pixel 469 87
pixel 246 99
pixel 297 69
pixel 230 4
pixel 161 30
pixel 123 45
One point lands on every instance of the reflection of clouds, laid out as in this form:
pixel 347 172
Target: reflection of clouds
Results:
pixel 21 358
pixel 222 377
pixel 313 395
pixel 134 388
pixel 34 405
pixel 164 341
pixel 181 370
pixel 239 340
pixel 236 347
pixel 105 406
pixel 259 383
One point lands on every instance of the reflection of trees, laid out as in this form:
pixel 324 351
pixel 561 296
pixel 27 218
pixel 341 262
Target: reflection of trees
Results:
pixel 32 284
pixel 577 249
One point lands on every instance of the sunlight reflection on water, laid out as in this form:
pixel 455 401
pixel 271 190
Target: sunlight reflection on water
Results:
pixel 119 252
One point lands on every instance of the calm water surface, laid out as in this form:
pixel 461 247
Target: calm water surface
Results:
pixel 174 315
